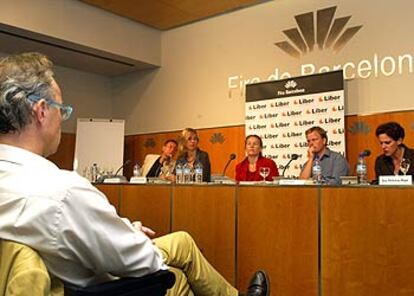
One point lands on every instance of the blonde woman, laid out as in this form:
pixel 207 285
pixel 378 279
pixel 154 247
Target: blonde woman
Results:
pixel 190 154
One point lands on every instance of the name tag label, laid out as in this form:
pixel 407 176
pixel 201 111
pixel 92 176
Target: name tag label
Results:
pixel 138 180
pixel 395 180
pixel 113 181
pixel 292 182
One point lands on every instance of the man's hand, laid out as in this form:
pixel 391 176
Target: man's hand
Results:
pixel 146 230
pixel 311 153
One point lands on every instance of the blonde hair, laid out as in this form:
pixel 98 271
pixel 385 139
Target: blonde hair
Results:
pixel 182 140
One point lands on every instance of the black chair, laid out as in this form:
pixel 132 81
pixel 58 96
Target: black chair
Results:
pixel 155 284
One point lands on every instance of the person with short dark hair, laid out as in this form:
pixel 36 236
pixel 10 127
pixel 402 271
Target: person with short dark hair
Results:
pixel 156 165
pixel 249 168
pixel 390 136
pixel 333 164
pixel 62 216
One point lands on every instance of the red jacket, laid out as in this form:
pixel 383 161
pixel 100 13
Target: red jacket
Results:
pixel 242 169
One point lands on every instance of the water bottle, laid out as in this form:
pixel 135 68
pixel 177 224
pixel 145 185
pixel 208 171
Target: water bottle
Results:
pixel 94 173
pixel 198 171
pixel 136 170
pixel 361 170
pixel 187 173
pixel 317 170
pixel 179 179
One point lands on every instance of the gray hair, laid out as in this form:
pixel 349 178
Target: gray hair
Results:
pixel 22 75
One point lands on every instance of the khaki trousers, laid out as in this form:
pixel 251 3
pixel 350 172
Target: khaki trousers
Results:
pixel 194 275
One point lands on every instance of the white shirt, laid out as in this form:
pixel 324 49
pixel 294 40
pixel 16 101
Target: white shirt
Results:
pixel 69 222
pixel 149 161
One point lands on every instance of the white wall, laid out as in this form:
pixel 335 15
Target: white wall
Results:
pixel 191 88
pixel 89 95
pixel 75 21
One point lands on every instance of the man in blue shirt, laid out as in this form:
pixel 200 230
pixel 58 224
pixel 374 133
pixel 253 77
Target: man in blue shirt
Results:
pixel 333 164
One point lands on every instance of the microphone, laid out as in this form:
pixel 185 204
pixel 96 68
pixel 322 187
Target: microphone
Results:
pixel 365 153
pixel 115 178
pixel 120 168
pixel 292 158
pixel 232 156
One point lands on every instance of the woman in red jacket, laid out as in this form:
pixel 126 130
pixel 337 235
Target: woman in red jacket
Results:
pixel 249 168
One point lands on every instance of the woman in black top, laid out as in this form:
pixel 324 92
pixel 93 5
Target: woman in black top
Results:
pixel 190 154
pixel 390 136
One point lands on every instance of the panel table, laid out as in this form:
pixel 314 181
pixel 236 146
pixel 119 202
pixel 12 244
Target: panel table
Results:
pixel 278 232
pixel 367 241
pixel 208 213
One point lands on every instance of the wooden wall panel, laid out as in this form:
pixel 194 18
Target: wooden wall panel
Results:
pixel 278 232
pixel 208 213
pixel 63 158
pixel 367 241
pixel 112 192
pixel 221 142
pixel 150 204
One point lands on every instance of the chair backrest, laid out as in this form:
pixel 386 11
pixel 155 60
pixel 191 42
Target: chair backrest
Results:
pixel 22 272
pixel 155 284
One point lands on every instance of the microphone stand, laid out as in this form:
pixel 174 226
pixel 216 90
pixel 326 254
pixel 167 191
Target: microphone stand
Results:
pixel 119 179
pixel 286 166
pixel 227 164
pixel 292 158
pixel 118 170
pixel 222 178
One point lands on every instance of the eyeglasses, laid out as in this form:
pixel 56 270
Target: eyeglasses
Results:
pixel 192 138
pixel 65 110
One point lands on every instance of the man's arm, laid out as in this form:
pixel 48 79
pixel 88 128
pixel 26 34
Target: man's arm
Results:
pixel 340 168
pixel 91 232
pixel 306 172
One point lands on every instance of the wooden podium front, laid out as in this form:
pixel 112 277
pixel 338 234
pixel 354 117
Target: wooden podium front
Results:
pixel 367 241
pixel 277 232
pixel 328 241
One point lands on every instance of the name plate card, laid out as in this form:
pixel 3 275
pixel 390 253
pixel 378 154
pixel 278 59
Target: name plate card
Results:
pixel 114 180
pixel 396 180
pixel 138 180
pixel 292 182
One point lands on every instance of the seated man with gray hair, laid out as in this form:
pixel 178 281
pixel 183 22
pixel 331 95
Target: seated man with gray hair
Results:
pixel 71 224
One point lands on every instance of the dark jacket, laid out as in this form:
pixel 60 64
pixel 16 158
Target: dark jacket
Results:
pixel 201 157
pixel 384 165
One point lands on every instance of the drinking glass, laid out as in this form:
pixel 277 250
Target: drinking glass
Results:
pixel 167 168
pixel 264 172
pixel 405 165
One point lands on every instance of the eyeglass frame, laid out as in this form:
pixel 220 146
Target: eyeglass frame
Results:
pixel 65 110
